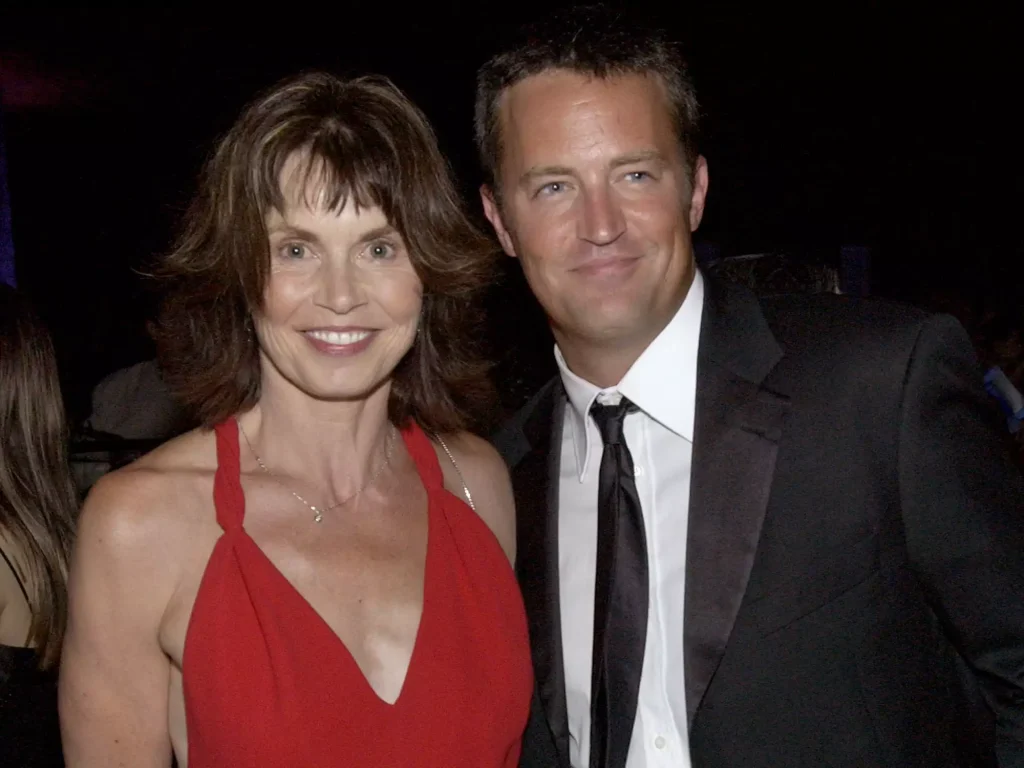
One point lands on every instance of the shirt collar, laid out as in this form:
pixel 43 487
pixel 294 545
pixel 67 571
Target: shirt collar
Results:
pixel 662 382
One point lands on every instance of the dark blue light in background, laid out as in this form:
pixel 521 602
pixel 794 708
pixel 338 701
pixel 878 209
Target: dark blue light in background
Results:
pixel 6 235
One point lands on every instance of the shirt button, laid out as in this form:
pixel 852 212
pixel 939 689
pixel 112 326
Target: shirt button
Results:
pixel 638 471
pixel 660 742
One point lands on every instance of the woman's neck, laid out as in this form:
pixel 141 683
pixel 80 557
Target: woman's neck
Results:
pixel 333 445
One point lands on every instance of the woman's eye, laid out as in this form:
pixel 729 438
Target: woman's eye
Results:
pixel 381 251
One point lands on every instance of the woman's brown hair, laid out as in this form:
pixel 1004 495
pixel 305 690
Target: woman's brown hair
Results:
pixel 38 502
pixel 366 143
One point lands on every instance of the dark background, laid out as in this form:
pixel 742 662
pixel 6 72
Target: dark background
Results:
pixel 873 124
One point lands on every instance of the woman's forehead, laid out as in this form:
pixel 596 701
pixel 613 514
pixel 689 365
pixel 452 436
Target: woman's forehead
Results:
pixel 313 184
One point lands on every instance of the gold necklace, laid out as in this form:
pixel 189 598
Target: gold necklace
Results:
pixel 318 514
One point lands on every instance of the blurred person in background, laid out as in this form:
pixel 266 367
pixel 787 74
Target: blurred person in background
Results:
pixel 995 322
pixel 774 274
pixel 37 511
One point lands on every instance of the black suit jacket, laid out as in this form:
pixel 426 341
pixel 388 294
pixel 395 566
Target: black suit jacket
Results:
pixel 855 531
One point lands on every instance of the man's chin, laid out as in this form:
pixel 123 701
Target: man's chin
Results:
pixel 620 316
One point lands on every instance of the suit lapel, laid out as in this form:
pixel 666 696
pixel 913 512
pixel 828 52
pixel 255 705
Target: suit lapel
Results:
pixel 738 424
pixel 535 483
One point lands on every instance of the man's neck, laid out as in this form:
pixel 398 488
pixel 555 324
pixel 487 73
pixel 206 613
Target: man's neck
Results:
pixel 602 364
pixel 605 362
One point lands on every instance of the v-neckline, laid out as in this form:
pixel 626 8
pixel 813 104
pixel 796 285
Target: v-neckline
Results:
pixel 336 638
pixel 320 621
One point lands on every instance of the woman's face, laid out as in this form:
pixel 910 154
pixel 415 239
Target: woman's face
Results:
pixel 342 302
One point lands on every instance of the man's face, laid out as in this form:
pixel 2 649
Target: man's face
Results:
pixel 595 201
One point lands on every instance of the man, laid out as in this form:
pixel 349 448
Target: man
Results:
pixel 752 532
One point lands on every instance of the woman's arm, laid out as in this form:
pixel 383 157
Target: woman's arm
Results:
pixel 114 675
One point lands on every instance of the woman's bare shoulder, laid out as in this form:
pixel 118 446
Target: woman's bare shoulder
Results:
pixel 486 478
pixel 193 451
pixel 144 503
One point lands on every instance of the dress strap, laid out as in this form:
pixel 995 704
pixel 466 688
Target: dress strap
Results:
pixel 424 456
pixel 462 478
pixel 227 484
pixel 17 578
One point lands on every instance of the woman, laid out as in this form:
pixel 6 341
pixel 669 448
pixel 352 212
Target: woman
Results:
pixel 37 507
pixel 303 581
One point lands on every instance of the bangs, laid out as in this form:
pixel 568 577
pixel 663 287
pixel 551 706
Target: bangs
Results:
pixel 318 141
pixel 328 169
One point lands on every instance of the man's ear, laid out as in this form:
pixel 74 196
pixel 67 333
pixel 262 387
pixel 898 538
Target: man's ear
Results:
pixel 698 193
pixel 493 212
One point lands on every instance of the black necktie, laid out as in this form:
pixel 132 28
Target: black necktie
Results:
pixel 620 596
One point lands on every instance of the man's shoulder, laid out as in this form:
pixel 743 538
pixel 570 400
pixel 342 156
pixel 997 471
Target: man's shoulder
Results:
pixel 842 312
pixel 844 324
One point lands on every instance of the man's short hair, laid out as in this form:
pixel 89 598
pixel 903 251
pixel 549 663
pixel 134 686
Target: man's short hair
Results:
pixel 588 40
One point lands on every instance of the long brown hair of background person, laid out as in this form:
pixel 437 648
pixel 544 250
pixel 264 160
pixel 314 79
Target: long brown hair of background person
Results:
pixel 37 493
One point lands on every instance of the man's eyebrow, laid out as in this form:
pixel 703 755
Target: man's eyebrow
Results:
pixel 540 171
pixel 631 158
pixel 643 156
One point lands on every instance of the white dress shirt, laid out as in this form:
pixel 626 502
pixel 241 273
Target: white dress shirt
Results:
pixel 662 383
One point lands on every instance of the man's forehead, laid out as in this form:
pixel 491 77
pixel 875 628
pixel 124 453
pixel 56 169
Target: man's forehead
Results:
pixel 558 101
pixel 565 86
pixel 583 113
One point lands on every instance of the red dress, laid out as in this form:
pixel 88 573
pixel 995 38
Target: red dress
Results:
pixel 267 682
